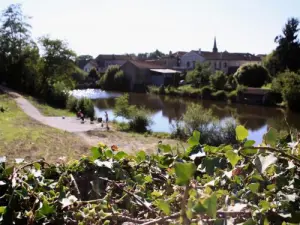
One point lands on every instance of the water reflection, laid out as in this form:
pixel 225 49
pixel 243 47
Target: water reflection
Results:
pixel 167 109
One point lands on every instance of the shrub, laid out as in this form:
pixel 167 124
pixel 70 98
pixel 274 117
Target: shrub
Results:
pixel 206 92
pixel 218 80
pixel 114 79
pixel 58 94
pixel 232 96
pixel 72 104
pixel 200 75
pixel 252 75
pixel 86 106
pixel 219 95
pixel 288 84
pixel 139 118
pixel 161 90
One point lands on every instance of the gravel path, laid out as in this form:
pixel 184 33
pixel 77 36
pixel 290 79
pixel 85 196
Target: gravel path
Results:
pixel 70 124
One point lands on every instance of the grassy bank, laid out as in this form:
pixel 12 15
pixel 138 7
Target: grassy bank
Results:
pixel 48 110
pixel 23 137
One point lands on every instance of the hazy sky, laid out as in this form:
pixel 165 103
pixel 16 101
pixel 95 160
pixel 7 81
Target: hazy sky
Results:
pixel 132 26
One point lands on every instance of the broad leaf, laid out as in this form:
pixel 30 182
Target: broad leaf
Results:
pixel 262 163
pixel 164 206
pixel 270 138
pixel 265 206
pixel 254 187
pixel 68 201
pixel 249 143
pixel 95 152
pixel 232 157
pixel 194 140
pixel 148 179
pixel 109 153
pixel 241 133
pixel 2 209
pixel 45 210
pixel 165 148
pixel 250 151
pixel 211 206
pixel 120 155
pixel 184 172
pixel 141 156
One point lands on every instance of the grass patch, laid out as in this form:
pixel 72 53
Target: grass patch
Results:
pixel 48 110
pixel 23 137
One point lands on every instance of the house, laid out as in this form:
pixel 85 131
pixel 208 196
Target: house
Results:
pixel 141 73
pixel 90 65
pixel 224 61
pixel 171 61
pixel 103 61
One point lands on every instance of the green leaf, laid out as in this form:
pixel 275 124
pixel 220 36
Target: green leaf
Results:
pixel 2 209
pixel 109 153
pixel 184 172
pixel 232 157
pixel 253 187
pixel 95 152
pixel 37 166
pixel 270 187
pixel 141 156
pixel 45 210
pixel 148 179
pixel 164 206
pixel 139 179
pixel 263 162
pixel 265 206
pixel 120 155
pixel 241 133
pixel 249 151
pixel 270 137
pixel 194 140
pixel 211 206
pixel 250 222
pixel 249 143
pixel 156 194
pixel 165 148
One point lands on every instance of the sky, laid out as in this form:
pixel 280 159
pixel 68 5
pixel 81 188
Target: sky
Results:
pixel 131 26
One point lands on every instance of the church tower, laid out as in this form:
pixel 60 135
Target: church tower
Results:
pixel 215 49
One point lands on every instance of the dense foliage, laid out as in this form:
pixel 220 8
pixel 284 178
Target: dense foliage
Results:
pixel 22 65
pixel 218 80
pixel 288 84
pixel 200 75
pixel 138 117
pixel 85 105
pixel 239 184
pixel 114 79
pixel 252 75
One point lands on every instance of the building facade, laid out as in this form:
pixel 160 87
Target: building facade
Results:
pixel 224 61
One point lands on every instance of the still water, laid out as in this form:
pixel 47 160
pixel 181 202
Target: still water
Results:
pixel 167 109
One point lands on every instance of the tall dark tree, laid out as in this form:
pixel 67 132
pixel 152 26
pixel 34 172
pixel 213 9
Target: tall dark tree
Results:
pixel 14 39
pixel 288 49
pixel 82 60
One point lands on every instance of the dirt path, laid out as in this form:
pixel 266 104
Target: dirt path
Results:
pixel 92 134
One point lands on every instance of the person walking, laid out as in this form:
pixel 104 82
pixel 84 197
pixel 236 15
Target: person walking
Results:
pixel 106 120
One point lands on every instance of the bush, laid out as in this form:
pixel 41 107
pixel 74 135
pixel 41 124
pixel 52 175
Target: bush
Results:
pixel 252 75
pixel 288 84
pixel 206 92
pixel 86 106
pixel 200 75
pixel 72 104
pixel 114 79
pixel 232 96
pixel 58 95
pixel 219 95
pixel 218 80
pixel 139 118
pixel 161 90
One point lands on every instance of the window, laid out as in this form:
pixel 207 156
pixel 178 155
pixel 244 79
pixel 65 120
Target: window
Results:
pixel 188 64
pixel 225 64
pixel 194 63
pixel 220 65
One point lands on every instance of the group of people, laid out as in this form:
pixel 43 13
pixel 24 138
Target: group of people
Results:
pixel 82 116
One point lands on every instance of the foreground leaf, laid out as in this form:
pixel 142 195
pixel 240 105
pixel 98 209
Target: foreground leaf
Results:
pixel 241 133
pixel 164 206
pixel 270 138
pixel 184 172
pixel 263 162
pixel 165 148
pixel 232 157
pixel 194 140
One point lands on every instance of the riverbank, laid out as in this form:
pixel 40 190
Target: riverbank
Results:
pixel 244 95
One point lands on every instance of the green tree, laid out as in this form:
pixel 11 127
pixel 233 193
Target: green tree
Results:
pixel 288 84
pixel 93 74
pixel 200 75
pixel 252 75
pixel 114 79
pixel 82 60
pixel 288 49
pixel 218 80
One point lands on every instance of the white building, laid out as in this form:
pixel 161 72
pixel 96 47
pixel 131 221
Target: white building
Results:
pixel 225 61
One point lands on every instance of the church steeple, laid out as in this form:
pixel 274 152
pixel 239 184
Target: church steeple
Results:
pixel 215 49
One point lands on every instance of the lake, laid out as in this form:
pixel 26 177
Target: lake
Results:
pixel 167 109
